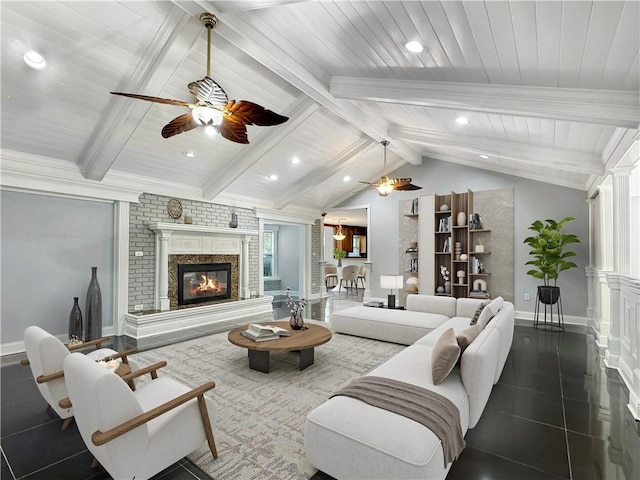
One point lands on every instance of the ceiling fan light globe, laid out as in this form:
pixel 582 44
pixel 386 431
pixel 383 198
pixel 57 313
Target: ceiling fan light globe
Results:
pixel 385 186
pixel 205 116
pixel 210 130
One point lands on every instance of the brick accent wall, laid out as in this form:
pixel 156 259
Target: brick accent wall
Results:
pixel 317 279
pixel 153 208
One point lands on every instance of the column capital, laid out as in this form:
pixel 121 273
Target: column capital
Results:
pixel 622 171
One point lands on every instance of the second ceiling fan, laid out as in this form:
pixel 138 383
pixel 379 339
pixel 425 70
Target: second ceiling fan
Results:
pixel 212 107
pixel 385 185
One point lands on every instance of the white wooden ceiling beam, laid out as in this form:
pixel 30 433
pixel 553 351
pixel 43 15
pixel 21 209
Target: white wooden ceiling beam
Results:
pixel 532 155
pixel 165 54
pixel 263 46
pixel 603 107
pixel 574 182
pixel 298 112
pixel 329 169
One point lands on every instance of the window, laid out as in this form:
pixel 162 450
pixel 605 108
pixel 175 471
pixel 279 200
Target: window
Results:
pixel 269 254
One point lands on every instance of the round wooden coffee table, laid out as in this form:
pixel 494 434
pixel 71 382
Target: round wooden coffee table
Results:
pixel 300 340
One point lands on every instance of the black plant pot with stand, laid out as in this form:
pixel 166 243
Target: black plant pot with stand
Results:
pixel 549 296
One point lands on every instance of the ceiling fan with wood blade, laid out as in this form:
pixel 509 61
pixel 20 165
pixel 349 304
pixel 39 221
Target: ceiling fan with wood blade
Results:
pixel 212 108
pixel 385 185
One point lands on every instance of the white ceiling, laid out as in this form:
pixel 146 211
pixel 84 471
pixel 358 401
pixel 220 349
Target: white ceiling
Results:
pixel 548 87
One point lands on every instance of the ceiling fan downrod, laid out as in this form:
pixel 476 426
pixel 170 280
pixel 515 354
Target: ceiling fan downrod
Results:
pixel 209 20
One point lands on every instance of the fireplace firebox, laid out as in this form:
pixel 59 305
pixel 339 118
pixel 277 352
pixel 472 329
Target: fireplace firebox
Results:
pixel 203 282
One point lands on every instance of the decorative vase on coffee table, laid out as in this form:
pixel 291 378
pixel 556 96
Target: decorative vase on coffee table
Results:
pixel 93 310
pixel 296 322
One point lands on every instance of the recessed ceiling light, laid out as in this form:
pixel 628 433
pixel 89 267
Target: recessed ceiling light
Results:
pixel 486 157
pixel 273 177
pixel 189 153
pixel 295 160
pixel 462 120
pixel 34 60
pixel 346 178
pixel 414 46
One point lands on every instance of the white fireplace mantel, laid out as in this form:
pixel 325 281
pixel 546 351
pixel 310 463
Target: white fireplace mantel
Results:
pixel 178 238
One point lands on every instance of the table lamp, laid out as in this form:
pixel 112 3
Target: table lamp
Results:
pixel 391 282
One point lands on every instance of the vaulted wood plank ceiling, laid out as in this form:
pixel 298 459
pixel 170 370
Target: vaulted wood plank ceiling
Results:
pixel 549 89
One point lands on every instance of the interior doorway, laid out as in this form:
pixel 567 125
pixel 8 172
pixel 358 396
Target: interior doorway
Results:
pixel 282 257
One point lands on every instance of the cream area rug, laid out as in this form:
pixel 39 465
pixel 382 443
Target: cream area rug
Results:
pixel 260 421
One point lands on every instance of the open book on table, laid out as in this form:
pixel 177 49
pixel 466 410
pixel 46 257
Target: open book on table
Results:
pixel 256 331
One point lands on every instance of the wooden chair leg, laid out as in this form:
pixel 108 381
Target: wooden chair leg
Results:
pixel 66 423
pixel 204 414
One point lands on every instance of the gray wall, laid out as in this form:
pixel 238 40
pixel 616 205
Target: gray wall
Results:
pixel 532 200
pixel 49 245
pixel 153 208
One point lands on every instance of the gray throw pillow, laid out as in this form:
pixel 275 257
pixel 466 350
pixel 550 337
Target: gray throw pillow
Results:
pixel 444 356
pixel 476 315
pixel 465 337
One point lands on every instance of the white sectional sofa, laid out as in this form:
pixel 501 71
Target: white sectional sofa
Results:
pixel 350 439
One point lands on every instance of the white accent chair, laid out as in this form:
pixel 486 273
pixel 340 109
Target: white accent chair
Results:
pixel 136 434
pixel 45 356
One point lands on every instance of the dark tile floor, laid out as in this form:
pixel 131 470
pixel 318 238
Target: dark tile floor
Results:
pixel 555 413
pixel 31 442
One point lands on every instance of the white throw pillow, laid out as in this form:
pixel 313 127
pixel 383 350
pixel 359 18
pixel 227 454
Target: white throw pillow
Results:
pixel 485 316
pixel 444 356
pixel 496 304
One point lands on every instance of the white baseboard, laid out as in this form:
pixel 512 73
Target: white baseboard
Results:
pixel 11 348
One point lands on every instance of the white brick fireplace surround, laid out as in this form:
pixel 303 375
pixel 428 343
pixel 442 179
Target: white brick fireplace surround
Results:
pixel 174 238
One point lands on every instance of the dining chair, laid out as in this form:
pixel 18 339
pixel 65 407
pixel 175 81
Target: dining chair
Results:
pixel 45 356
pixel 136 434
pixel 330 273
pixel 350 277
pixel 362 275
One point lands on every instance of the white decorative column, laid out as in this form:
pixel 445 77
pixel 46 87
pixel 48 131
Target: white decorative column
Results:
pixel 621 257
pixel 592 319
pixel 163 273
pixel 122 267
pixel 367 290
pixel 244 278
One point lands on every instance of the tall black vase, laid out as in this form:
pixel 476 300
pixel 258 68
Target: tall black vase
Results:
pixel 75 323
pixel 93 310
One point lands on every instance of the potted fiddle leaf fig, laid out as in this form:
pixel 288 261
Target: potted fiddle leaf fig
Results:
pixel 550 254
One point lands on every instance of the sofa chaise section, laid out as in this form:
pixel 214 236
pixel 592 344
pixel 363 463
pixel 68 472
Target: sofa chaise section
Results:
pixel 423 313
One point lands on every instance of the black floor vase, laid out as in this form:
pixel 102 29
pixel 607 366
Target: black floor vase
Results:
pixel 93 310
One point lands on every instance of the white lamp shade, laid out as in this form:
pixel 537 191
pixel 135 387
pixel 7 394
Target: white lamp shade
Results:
pixel 391 281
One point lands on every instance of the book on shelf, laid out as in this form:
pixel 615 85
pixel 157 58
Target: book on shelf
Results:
pixel 260 338
pixel 257 330
pixel 479 294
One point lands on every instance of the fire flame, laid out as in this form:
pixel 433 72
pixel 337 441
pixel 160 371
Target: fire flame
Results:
pixel 206 285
